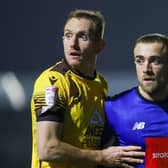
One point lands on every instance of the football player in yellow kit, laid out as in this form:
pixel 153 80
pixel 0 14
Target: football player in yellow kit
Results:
pixel 67 103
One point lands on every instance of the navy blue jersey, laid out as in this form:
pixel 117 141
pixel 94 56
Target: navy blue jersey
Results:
pixel 134 119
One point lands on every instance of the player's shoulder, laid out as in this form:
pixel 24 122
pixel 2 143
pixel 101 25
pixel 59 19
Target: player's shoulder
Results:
pixel 59 67
pixel 101 76
pixel 121 95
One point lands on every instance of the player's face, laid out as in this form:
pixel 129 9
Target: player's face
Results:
pixel 80 48
pixel 152 68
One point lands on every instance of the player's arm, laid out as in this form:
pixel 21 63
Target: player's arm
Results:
pixel 51 148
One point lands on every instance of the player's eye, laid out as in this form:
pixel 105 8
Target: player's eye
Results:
pixel 139 61
pixel 156 61
pixel 68 35
pixel 83 37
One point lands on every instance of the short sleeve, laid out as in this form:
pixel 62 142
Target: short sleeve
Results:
pixel 48 99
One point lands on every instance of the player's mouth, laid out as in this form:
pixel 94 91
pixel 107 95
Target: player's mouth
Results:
pixel 149 80
pixel 74 54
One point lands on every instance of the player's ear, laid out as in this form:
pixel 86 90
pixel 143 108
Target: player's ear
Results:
pixel 100 45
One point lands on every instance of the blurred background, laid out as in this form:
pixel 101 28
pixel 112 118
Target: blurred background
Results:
pixel 30 40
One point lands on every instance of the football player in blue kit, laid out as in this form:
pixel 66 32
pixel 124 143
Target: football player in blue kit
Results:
pixel 139 116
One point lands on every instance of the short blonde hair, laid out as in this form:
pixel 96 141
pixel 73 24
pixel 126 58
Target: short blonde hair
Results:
pixel 95 16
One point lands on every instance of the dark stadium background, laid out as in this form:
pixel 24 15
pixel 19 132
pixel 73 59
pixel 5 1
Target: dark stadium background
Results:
pixel 30 40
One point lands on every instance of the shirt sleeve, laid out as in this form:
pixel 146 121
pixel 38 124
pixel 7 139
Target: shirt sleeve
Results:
pixel 48 99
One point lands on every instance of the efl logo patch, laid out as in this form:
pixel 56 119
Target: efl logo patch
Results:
pixel 157 152
pixel 50 97
pixel 50 93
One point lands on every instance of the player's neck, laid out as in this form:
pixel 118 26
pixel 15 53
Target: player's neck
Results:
pixel 154 96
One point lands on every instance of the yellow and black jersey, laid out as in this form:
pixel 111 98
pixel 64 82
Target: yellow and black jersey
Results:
pixel 63 95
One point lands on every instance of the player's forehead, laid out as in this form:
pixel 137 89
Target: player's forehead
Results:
pixel 149 49
pixel 79 24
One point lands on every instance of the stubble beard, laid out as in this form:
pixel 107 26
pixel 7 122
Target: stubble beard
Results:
pixel 153 89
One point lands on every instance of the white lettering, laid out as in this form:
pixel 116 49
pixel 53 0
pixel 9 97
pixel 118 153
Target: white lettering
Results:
pixel 160 155
pixel 138 125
